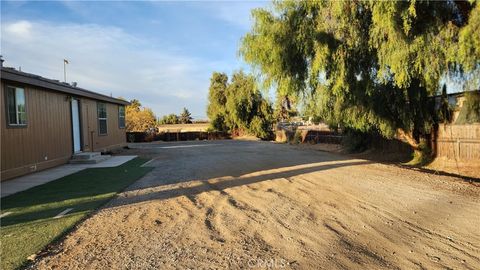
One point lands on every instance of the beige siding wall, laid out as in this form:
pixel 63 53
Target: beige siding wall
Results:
pixel 115 135
pixel 46 141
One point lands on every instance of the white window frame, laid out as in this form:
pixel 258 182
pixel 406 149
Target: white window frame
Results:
pixel 120 107
pixel 17 113
pixel 102 118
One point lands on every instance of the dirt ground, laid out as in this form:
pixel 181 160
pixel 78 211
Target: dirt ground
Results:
pixel 471 169
pixel 238 204
pixel 439 165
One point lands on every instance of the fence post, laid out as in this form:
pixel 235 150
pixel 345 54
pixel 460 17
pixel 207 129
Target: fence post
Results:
pixel 458 149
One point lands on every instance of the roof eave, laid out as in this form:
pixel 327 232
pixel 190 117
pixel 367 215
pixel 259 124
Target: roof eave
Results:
pixel 31 79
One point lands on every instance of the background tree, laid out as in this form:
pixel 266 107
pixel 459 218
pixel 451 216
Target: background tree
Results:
pixel 217 99
pixel 371 66
pixel 185 117
pixel 247 110
pixel 284 108
pixel 138 118
pixel 445 112
pixel 135 105
pixel 169 119
pixel 239 106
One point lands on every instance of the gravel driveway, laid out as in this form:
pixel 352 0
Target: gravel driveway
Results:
pixel 240 204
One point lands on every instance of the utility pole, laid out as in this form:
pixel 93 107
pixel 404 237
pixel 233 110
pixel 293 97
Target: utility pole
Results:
pixel 65 62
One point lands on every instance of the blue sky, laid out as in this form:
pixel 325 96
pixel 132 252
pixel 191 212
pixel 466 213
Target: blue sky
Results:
pixel 162 53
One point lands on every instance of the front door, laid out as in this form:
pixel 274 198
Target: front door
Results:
pixel 86 136
pixel 76 126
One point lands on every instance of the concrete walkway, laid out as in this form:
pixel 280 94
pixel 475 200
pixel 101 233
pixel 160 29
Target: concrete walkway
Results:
pixel 35 179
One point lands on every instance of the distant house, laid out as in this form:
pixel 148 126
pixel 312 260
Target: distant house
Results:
pixel 44 122
pixel 455 101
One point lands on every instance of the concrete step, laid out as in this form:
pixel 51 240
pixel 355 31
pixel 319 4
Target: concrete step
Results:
pixel 86 155
pixel 93 160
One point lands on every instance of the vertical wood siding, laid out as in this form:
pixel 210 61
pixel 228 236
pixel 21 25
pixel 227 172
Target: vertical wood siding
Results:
pixel 115 136
pixel 46 141
pixel 46 138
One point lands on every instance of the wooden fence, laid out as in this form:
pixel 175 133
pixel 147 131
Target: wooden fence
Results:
pixel 454 142
pixel 308 136
pixel 175 136
pixel 320 136
pixel 457 142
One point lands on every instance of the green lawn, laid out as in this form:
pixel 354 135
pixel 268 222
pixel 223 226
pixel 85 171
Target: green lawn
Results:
pixel 31 225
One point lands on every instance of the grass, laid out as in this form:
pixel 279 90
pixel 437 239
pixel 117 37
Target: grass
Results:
pixel 31 227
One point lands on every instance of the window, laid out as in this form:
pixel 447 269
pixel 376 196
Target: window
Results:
pixel 121 116
pixel 17 115
pixel 102 118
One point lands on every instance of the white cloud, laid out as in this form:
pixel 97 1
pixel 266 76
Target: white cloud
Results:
pixel 20 29
pixel 110 61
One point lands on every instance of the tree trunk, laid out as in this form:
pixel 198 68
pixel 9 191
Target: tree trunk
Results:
pixel 421 149
pixel 408 138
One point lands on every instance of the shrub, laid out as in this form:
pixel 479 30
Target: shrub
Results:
pixel 260 128
pixel 297 137
pixel 423 155
pixel 131 138
pixel 150 137
pixel 356 141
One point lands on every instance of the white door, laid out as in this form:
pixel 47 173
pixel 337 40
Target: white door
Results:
pixel 76 126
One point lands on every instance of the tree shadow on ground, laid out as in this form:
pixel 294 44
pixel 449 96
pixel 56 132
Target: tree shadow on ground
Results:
pixel 214 159
pixel 176 163
pixel 223 184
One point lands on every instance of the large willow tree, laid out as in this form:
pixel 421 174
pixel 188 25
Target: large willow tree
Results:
pixel 366 65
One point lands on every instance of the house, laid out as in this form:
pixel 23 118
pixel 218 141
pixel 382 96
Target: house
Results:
pixel 44 122
pixel 455 102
